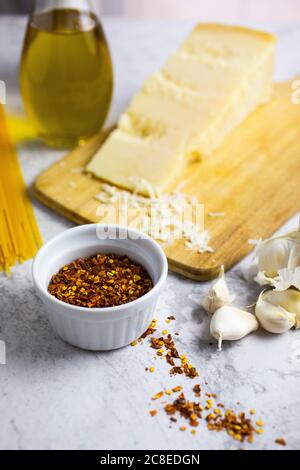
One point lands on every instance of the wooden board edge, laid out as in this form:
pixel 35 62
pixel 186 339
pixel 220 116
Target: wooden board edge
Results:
pixel 61 210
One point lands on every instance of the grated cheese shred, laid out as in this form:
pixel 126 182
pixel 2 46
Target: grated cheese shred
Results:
pixel 161 213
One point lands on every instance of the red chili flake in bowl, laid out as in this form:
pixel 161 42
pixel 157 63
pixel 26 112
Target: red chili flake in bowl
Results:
pixel 102 280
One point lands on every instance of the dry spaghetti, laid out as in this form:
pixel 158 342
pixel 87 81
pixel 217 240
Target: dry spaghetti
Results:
pixel 19 233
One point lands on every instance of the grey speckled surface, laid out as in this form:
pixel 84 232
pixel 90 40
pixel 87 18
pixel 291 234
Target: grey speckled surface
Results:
pixel 56 396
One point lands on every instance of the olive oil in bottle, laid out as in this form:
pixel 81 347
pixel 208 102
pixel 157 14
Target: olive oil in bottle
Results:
pixel 66 75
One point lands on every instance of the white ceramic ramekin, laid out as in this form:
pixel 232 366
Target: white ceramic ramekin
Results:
pixel 99 329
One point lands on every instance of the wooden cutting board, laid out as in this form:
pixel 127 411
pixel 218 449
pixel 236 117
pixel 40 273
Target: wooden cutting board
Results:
pixel 254 178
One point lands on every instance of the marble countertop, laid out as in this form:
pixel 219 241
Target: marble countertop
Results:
pixel 54 396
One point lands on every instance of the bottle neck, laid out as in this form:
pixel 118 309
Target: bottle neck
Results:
pixel 81 5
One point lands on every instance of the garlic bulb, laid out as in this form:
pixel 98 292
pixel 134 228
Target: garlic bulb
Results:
pixel 274 256
pixel 231 323
pixel 278 312
pixel 218 295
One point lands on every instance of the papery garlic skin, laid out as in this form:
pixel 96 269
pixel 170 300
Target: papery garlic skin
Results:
pixel 231 323
pixel 263 280
pixel 218 295
pixel 277 256
pixel 287 278
pixel 294 258
pixel 249 271
pixel 271 312
pixel 273 255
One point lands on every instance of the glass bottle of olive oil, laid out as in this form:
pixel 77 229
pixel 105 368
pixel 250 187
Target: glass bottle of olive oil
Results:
pixel 66 72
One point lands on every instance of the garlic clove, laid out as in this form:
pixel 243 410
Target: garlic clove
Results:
pixel 218 295
pixel 289 300
pixel 272 310
pixel 231 323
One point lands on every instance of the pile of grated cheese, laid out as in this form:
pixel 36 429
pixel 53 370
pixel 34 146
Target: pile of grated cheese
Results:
pixel 160 215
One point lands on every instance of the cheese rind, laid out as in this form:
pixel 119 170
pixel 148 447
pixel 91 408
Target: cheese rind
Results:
pixel 218 76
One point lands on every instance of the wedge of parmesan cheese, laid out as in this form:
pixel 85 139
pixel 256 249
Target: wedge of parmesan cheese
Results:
pixel 217 77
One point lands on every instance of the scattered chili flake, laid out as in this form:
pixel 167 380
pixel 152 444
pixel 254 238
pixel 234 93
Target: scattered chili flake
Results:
pixel 190 371
pixel 176 370
pixel 167 343
pixel 153 412
pixel 185 408
pixel 173 352
pixel 150 330
pixel 237 425
pixel 170 360
pixel 280 441
pixel 102 280
pixel 177 389
pixel 171 317
pixel 156 343
pixel 157 395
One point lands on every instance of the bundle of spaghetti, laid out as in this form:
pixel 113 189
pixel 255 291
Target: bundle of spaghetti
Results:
pixel 19 234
